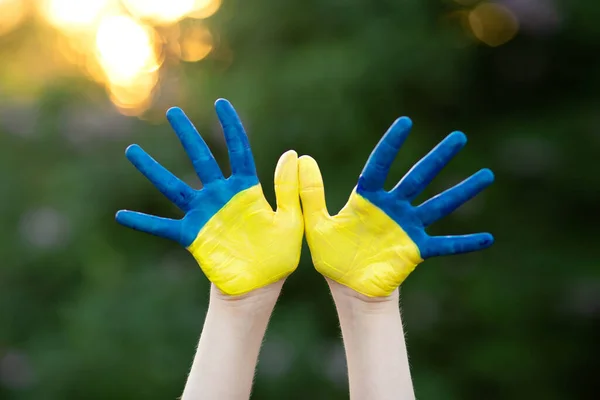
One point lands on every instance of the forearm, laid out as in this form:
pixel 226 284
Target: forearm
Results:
pixel 376 353
pixel 223 368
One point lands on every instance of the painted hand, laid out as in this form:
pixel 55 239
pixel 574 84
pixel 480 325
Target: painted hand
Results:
pixel 229 227
pixel 379 237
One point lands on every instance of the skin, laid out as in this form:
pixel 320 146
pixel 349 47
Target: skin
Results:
pixel 243 256
pixel 227 353
pixel 369 248
pixel 373 335
pixel 245 248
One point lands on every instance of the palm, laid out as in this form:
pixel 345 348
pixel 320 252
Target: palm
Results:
pixel 379 237
pixel 207 201
pixel 239 251
pixel 361 244
pixel 229 227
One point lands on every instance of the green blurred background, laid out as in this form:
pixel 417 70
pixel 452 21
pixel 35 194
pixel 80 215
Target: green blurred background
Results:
pixel 92 310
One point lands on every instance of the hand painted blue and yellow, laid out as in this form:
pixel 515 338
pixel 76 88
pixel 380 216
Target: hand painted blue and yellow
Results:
pixel 379 237
pixel 229 227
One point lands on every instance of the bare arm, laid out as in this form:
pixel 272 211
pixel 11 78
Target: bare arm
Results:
pixel 223 368
pixel 376 240
pixel 378 366
pixel 244 247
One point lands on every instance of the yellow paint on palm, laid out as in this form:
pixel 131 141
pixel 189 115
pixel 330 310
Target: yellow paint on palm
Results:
pixel 361 247
pixel 247 245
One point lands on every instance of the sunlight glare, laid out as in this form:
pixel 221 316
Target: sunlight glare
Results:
pixel 204 8
pixel 135 97
pixel 160 11
pixel 12 12
pixel 74 14
pixel 125 48
pixel 195 43
pixel 126 53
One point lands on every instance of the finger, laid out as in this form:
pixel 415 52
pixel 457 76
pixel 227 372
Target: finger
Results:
pixel 167 183
pixel 448 245
pixel 240 155
pixel 312 192
pixel 448 201
pixel 378 165
pixel 163 227
pixel 202 159
pixel 425 170
pixel 286 182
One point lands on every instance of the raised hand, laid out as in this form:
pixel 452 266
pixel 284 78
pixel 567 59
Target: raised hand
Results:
pixel 379 237
pixel 229 227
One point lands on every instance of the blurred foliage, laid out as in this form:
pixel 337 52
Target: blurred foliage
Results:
pixel 91 310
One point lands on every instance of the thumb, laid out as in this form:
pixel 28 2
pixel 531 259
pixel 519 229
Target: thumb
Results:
pixel 312 191
pixel 286 182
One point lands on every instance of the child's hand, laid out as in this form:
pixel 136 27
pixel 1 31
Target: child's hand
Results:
pixel 240 243
pixel 379 237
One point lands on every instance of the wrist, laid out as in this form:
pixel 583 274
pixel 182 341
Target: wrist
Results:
pixel 347 296
pixel 259 299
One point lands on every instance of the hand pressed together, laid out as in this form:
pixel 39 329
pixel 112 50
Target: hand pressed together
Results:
pixel 242 245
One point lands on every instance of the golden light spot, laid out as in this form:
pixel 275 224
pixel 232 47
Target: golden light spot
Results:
pixel 135 97
pixel 195 43
pixel 68 15
pixel 126 53
pixel 75 49
pixel 159 11
pixel 116 43
pixel 493 24
pixel 125 48
pixel 12 13
pixel 170 39
pixel 204 8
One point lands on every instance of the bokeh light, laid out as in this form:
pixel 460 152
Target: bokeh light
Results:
pixel 493 24
pixel 135 97
pixel 126 52
pixel 12 13
pixel 204 8
pixel 160 11
pixel 74 14
pixel 195 43
pixel 116 43
pixel 125 48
